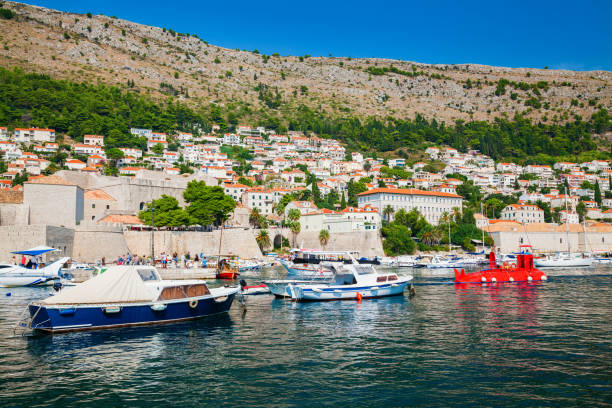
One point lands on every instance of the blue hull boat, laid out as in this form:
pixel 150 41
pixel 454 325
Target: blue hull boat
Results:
pixel 128 296
pixel 60 319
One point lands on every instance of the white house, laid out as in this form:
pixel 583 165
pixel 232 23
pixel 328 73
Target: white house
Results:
pixel 430 204
pixel 96 140
pixel 523 213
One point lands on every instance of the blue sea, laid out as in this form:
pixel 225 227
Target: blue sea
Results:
pixel 515 345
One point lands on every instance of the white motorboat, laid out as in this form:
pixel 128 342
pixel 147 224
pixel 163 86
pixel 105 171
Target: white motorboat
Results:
pixel 445 263
pixel 351 281
pixel 16 275
pixel 388 261
pixel 564 260
pixel 405 261
pixel 307 271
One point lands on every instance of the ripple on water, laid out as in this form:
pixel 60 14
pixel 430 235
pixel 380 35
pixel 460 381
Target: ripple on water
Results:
pixel 499 345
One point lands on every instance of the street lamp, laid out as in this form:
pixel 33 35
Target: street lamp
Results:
pixel 153 233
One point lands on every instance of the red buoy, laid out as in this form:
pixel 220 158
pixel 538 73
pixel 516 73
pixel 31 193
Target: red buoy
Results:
pixel 359 297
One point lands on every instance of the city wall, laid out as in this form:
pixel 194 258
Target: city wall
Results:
pixel 20 237
pixel 368 243
pixel 550 242
pixel 236 241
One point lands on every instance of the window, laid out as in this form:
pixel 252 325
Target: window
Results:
pixel 93 206
pixel 107 207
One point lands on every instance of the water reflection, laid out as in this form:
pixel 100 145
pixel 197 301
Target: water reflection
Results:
pixel 452 345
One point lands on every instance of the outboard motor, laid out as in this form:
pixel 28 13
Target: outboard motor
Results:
pixel 57 286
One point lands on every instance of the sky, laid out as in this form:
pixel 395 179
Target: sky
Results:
pixel 562 34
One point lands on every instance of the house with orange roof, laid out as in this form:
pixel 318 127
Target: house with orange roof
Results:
pixel 86 149
pixel 75 164
pixel 4 134
pixel 172 171
pixel 260 198
pixel 97 204
pixel 96 140
pixel 235 190
pixel 95 159
pixel 131 151
pixel 523 213
pixel 431 204
pixel 28 135
pixel 350 219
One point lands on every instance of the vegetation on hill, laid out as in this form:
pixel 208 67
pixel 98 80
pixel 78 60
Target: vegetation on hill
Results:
pixel 28 99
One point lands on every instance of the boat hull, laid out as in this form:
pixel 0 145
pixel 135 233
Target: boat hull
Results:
pixel 346 292
pixel 564 263
pixel 55 319
pixel 17 280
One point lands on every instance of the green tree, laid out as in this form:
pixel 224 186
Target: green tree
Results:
pixel 207 205
pixel 295 227
pixel 581 210
pixel 397 240
pixel 597 193
pixel 324 237
pixel 388 212
pixel 20 178
pixel 158 149
pixel 263 239
pixel 167 212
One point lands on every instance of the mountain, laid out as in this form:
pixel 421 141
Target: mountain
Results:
pixel 161 61
pixel 179 80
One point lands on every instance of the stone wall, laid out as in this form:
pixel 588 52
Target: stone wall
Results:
pixel 368 243
pixel 550 242
pixel 236 241
pixel 92 242
pixel 15 238
pixel 54 204
pixel 14 214
pixel 11 197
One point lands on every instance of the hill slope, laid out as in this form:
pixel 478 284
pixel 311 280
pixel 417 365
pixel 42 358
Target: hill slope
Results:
pixel 161 62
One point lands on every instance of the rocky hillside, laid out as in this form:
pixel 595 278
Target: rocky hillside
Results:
pixel 159 61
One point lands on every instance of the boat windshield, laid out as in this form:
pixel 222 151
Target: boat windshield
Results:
pixel 364 269
pixel 148 275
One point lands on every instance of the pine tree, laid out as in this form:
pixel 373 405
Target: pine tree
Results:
pixel 597 193
pixel 343 202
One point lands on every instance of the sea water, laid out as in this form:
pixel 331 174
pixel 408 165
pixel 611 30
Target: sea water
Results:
pixel 519 344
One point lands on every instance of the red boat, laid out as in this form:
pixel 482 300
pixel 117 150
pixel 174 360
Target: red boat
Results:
pixel 225 270
pixel 522 270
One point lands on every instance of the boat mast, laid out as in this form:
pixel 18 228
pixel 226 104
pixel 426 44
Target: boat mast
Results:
pixel 482 229
pixel 567 224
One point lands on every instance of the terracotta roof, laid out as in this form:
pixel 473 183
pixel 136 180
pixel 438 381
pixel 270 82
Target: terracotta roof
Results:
pixel 52 179
pixel 409 191
pixel 121 219
pixel 98 195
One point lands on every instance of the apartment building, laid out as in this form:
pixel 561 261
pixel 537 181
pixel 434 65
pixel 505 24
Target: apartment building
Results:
pixel 523 213
pixel 431 204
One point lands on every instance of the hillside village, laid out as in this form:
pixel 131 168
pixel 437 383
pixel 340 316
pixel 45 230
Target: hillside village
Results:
pixel 272 166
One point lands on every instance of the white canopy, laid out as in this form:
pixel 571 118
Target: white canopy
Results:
pixel 118 284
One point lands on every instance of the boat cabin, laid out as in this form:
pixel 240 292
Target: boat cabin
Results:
pixel 171 289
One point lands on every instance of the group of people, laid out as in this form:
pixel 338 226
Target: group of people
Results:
pixel 32 262
pixel 186 260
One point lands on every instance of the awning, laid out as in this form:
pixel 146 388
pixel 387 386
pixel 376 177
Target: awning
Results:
pixel 35 251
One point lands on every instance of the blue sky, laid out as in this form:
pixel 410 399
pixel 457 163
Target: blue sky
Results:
pixel 559 34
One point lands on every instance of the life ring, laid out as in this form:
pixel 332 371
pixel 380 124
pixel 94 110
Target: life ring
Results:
pixel 513 265
pixel 193 303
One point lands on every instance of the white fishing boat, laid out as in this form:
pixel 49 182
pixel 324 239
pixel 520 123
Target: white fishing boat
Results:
pixel 351 281
pixel 32 275
pixel 445 263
